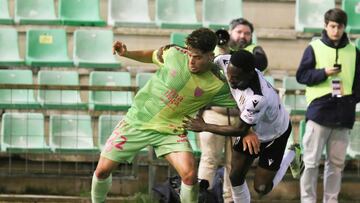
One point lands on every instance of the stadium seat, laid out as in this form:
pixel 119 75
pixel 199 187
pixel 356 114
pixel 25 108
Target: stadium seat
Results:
pixel 9 49
pixel 177 14
pixel 92 49
pixel 36 12
pixel 80 13
pixel 296 104
pixel 178 38
pixel 59 99
pixel 142 78
pixel 121 13
pixel 23 132
pixel 352 9
pixel 357 43
pixel 47 48
pixel 110 100
pixel 4 13
pixel 195 147
pixel 353 150
pixel 218 14
pixel 17 98
pixel 107 124
pixel 309 15
pixel 71 133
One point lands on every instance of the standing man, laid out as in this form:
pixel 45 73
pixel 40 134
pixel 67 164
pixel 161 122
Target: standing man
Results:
pixel 262 112
pixel 330 68
pixel 213 146
pixel 180 87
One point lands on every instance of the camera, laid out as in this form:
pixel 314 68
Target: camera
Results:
pixel 223 37
pixel 337 66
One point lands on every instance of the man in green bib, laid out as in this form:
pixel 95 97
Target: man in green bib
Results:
pixel 330 68
pixel 185 82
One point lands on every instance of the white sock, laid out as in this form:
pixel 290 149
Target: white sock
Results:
pixel 241 193
pixel 285 163
pixel 100 188
pixel 189 193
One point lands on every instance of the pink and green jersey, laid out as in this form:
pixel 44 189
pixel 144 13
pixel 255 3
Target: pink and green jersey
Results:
pixel 174 92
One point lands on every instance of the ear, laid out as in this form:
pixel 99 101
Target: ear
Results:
pixel 211 56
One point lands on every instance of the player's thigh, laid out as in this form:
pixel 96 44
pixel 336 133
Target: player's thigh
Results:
pixel 240 165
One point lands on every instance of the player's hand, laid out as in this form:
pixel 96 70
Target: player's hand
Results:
pixel 332 71
pixel 252 143
pixel 119 48
pixel 194 124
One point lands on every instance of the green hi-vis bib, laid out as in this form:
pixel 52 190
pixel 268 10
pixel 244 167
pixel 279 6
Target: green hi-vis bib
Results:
pixel 325 57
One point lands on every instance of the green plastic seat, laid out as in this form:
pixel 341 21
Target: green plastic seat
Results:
pixel 17 98
pixel 192 139
pixel 142 78
pixel 178 38
pixel 4 13
pixel 309 15
pixel 107 124
pixel 71 134
pixel 353 150
pixel 110 100
pixel 92 49
pixel 35 12
pixel 121 13
pixel 218 14
pixel 296 104
pixel 59 99
pixel 23 133
pixel 352 9
pixel 80 13
pixel 177 14
pixel 9 49
pixel 47 48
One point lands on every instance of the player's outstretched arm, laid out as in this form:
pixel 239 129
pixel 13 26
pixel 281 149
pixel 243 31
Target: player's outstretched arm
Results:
pixel 198 125
pixel 120 49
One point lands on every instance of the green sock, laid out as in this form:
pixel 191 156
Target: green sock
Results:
pixel 100 188
pixel 189 193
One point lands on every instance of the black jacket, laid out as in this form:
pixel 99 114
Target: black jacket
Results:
pixel 327 110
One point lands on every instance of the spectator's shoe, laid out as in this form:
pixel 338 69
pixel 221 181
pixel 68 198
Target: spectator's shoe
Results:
pixel 297 165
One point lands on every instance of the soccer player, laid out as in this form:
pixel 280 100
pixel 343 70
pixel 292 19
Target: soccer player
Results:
pixel 262 111
pixel 186 81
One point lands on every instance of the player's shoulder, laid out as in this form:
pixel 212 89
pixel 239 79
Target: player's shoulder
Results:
pixel 222 60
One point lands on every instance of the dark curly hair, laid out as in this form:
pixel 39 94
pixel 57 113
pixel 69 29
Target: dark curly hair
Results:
pixel 202 39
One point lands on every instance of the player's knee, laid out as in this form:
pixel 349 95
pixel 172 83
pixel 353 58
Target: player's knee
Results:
pixel 189 177
pixel 236 179
pixel 102 174
pixel 263 189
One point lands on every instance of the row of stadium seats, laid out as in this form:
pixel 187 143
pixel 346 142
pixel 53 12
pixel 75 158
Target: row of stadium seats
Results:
pixel 310 14
pixel 48 47
pixel 68 99
pixel 68 133
pixel 169 13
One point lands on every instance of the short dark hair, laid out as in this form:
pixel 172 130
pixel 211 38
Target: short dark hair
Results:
pixel 337 15
pixel 203 39
pixel 241 21
pixel 244 60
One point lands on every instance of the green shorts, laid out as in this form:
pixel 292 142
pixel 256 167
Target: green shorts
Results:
pixel 126 141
